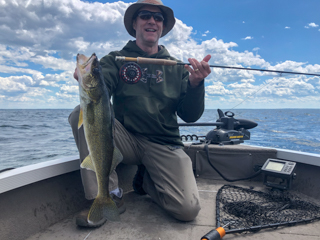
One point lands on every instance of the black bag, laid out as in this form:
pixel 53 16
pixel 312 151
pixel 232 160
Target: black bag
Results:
pixel 233 161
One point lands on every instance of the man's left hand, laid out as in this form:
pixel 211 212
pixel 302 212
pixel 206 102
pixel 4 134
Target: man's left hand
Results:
pixel 198 71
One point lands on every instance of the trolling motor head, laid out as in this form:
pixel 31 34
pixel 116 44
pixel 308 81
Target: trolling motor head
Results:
pixel 230 130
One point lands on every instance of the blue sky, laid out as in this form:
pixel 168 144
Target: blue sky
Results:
pixel 40 39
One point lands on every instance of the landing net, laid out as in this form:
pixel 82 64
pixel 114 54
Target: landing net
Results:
pixel 249 210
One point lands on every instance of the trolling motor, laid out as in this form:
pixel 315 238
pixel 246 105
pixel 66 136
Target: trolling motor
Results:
pixel 228 129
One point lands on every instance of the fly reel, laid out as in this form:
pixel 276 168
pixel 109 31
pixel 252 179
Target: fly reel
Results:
pixel 130 73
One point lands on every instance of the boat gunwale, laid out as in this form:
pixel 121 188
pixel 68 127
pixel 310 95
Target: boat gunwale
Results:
pixel 26 175
pixel 22 176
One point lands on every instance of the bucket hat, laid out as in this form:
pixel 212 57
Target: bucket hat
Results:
pixel 169 19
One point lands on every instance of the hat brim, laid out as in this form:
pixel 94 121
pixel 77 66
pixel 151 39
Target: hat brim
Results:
pixel 132 9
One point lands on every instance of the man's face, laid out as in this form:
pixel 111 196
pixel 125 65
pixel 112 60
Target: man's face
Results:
pixel 148 31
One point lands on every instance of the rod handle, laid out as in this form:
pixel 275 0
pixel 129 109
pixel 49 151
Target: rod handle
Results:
pixel 147 60
pixel 215 234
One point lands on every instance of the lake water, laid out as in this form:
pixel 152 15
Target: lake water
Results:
pixel 33 136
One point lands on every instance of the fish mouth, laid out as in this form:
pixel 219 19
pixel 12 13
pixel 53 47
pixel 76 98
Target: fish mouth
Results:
pixel 84 61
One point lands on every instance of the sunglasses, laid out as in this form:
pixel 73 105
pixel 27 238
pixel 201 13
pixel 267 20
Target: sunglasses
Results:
pixel 146 15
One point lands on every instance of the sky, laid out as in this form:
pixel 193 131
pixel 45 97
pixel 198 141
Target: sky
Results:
pixel 39 40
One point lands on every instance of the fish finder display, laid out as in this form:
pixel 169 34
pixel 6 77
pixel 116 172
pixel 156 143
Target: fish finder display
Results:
pixel 278 167
pixel 278 173
pixel 275 166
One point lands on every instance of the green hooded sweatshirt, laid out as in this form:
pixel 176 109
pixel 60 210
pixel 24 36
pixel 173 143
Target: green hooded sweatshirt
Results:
pixel 150 105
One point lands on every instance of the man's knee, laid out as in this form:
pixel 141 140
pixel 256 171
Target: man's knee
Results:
pixel 74 116
pixel 78 134
pixel 187 211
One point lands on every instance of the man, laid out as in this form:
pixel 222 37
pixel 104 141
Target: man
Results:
pixel 146 106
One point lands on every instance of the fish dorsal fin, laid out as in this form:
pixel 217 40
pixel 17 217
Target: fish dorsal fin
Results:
pixel 80 122
pixel 88 164
pixel 117 158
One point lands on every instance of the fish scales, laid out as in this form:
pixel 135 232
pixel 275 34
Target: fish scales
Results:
pixel 97 118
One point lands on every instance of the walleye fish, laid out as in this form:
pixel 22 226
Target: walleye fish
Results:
pixel 96 116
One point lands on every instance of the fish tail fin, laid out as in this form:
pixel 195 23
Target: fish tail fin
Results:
pixel 103 208
pixel 117 158
pixel 88 164
pixel 80 122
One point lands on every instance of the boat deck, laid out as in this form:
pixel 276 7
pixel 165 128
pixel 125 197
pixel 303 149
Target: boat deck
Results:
pixel 143 219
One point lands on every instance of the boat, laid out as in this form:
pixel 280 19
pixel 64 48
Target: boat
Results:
pixel 40 201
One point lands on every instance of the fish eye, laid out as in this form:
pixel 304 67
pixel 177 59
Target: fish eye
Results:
pixel 95 70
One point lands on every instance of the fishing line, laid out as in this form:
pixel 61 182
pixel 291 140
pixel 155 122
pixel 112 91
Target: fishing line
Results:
pixel 256 91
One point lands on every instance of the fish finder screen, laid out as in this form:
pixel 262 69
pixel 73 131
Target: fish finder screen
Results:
pixel 275 166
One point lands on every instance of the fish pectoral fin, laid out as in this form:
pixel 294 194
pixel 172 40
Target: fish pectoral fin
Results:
pixel 80 122
pixel 117 158
pixel 103 208
pixel 88 164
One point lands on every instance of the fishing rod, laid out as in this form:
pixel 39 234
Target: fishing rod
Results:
pixel 173 63
pixel 220 232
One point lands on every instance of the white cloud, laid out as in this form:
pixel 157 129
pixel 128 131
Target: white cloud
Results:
pixel 311 25
pixel 53 63
pixel 217 89
pixel 244 88
pixel 55 24
pixel 287 27
pixel 70 89
pixel 180 33
pixel 247 38
pixel 12 84
pixel 292 66
pixel 40 39
pixel 289 87
pixel 205 33
pixel 15 70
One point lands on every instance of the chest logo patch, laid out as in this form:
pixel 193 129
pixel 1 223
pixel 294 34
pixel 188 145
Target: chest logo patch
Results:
pixel 130 73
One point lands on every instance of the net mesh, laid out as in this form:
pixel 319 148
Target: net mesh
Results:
pixel 243 208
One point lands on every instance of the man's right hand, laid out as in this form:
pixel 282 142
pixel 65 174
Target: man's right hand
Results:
pixel 75 74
